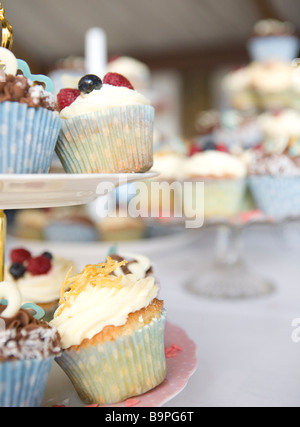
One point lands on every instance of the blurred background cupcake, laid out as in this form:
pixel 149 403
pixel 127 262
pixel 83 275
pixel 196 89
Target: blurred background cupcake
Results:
pixel 274 169
pixel 273 40
pixel 224 178
pixel 121 228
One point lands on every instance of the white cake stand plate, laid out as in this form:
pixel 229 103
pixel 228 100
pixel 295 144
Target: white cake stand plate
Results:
pixel 24 191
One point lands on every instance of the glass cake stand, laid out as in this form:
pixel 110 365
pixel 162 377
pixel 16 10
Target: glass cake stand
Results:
pixel 228 275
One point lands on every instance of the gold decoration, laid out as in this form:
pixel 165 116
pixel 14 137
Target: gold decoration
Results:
pixel 7 31
pixel 2 243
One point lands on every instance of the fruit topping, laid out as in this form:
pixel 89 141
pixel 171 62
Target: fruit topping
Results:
pixel 209 146
pixel 19 255
pixel 39 265
pixel 66 97
pixel 89 82
pixel 194 149
pixel 17 270
pixel 222 147
pixel 47 255
pixel 116 79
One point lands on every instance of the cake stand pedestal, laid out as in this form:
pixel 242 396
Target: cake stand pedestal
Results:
pixel 228 275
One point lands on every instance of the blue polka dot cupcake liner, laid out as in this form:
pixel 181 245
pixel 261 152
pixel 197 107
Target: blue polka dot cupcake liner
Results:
pixel 117 140
pixel 23 382
pixel 27 138
pixel 280 48
pixel 277 196
pixel 116 370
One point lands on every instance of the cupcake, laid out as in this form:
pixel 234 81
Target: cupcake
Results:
pixel 38 278
pixel 121 228
pixel 112 331
pixel 274 167
pixel 28 348
pixel 224 178
pixel 72 228
pixel 273 40
pixel 108 128
pixel 29 124
pixel 29 224
pixel 262 86
pixel 273 85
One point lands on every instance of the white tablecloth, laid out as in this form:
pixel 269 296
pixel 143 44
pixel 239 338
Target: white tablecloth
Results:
pixel 246 355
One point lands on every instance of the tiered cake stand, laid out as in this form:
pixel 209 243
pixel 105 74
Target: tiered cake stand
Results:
pixel 55 190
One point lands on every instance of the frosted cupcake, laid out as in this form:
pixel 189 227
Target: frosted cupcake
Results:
pixel 273 40
pixel 274 168
pixel 224 178
pixel 28 348
pixel 108 128
pixel 121 228
pixel 38 278
pixel 112 331
pixel 29 122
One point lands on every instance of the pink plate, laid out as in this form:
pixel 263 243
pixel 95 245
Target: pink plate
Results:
pixel 181 364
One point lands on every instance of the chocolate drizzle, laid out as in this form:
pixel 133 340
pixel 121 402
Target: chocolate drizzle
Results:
pixel 125 268
pixel 24 337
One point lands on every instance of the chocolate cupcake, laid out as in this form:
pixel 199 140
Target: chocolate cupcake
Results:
pixel 28 347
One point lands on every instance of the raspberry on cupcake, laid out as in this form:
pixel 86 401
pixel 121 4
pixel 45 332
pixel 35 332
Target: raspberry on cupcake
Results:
pixel 38 277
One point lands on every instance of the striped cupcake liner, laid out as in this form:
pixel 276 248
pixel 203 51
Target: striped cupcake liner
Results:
pixel 277 196
pixel 23 382
pixel 114 371
pixel 27 138
pixel 117 140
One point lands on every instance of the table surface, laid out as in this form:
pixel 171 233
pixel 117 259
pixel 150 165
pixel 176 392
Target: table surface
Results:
pixel 246 355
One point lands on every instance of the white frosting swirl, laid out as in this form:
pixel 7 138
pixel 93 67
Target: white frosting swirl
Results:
pixel 107 97
pixel 43 288
pixel 214 164
pixel 97 307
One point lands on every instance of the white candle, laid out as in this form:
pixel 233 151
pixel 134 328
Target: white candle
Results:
pixel 95 52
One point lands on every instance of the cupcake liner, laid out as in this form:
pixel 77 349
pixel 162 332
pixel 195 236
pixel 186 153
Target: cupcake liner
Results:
pixel 114 371
pixel 282 48
pixel 27 138
pixel 277 196
pixel 23 382
pixel 117 140
pixel 222 197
